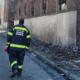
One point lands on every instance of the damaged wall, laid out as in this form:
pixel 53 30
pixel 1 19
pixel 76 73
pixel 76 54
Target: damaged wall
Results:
pixel 58 28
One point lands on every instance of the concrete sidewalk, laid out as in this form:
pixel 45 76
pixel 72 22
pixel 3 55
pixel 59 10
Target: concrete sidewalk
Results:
pixel 31 71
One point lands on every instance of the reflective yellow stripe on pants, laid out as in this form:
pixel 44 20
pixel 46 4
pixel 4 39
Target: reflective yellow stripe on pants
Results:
pixel 19 46
pixel 20 66
pixel 13 63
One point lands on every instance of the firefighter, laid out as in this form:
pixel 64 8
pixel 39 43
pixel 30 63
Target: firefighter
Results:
pixel 18 42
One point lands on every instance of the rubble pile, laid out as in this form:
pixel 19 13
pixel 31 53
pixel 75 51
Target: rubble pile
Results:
pixel 56 52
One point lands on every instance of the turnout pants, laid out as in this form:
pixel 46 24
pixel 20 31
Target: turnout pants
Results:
pixel 16 59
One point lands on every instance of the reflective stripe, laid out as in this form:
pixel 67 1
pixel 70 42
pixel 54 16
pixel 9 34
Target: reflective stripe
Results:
pixel 27 47
pixel 28 36
pixel 17 46
pixel 13 63
pixel 20 28
pixel 10 33
pixel 20 67
pixel 8 43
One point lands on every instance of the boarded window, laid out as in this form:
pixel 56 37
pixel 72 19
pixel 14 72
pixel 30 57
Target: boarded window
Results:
pixel 44 6
pixel 15 14
pixel 62 5
pixel 32 7
pixel 25 9
pixel 20 12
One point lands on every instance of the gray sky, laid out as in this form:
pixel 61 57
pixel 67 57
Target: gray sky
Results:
pixel 1 1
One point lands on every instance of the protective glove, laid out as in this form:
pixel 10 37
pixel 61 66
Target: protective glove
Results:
pixel 7 48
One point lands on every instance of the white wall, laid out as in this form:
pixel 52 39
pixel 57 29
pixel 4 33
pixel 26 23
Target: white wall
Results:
pixel 59 28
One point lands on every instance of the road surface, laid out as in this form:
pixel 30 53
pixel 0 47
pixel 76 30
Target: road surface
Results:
pixel 31 71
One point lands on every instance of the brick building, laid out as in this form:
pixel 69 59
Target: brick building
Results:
pixel 30 9
pixel 1 13
pixel 33 8
pixel 9 11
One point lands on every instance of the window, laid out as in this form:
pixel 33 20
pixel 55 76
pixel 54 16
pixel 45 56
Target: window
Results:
pixel 32 7
pixel 44 6
pixel 20 12
pixel 15 10
pixel 62 5
pixel 25 9
pixel 15 14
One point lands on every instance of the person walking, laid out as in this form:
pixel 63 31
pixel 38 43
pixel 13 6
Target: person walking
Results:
pixel 18 42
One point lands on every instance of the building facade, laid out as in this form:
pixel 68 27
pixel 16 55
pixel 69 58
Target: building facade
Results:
pixel 41 10
pixel 34 8
pixel 1 13
pixel 9 11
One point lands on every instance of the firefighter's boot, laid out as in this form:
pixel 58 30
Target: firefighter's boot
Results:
pixel 19 72
pixel 14 73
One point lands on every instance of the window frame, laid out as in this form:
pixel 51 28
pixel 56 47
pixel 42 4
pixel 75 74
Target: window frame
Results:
pixel 25 9
pixel 41 12
pixel 57 7
pixel 31 8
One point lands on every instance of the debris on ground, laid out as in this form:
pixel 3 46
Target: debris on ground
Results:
pixel 56 52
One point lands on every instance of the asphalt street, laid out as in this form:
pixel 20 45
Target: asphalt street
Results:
pixel 31 71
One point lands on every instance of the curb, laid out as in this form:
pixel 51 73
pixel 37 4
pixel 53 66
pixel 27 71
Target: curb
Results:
pixel 52 64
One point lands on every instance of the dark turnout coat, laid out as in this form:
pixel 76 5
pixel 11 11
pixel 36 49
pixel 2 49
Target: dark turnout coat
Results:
pixel 18 38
